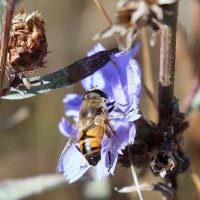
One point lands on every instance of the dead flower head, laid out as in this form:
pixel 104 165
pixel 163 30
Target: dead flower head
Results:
pixel 27 45
pixel 131 15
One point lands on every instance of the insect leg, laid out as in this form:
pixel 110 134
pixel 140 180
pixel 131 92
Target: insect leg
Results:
pixel 78 148
pixel 110 162
pixel 122 114
pixel 112 104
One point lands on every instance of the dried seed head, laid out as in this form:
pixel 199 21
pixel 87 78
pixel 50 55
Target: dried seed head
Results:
pixel 27 45
pixel 132 15
pixel 163 162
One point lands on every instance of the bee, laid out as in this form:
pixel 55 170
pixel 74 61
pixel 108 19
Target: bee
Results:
pixel 93 124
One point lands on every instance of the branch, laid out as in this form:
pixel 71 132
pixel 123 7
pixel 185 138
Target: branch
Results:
pixel 167 58
pixel 58 79
pixel 7 18
pixel 166 191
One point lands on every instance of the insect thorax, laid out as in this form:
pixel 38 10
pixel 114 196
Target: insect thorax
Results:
pixel 90 111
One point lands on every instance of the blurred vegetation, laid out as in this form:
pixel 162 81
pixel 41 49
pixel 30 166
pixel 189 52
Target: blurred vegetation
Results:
pixel 33 146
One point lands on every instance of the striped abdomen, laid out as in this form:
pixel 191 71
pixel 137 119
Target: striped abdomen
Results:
pixel 90 144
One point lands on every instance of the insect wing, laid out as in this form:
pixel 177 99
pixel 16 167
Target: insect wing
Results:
pixel 71 143
pixel 114 140
pixel 72 163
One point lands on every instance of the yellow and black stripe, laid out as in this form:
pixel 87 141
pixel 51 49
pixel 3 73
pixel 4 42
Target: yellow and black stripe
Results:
pixel 90 144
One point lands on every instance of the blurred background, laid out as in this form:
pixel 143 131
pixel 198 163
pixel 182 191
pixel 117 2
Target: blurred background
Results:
pixel 32 146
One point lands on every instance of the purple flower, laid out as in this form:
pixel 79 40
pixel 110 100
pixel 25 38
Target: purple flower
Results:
pixel 120 79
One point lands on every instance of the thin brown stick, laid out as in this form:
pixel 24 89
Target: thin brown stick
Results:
pixel 135 179
pixel 190 96
pixel 151 98
pixel 196 181
pixel 166 191
pixel 108 20
pixel 7 18
pixel 148 77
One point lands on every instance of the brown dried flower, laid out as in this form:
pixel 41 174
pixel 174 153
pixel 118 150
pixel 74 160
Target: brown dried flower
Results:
pixel 27 45
pixel 131 15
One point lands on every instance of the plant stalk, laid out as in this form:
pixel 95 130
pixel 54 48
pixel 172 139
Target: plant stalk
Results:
pixel 167 59
pixel 7 19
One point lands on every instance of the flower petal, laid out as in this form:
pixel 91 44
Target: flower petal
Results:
pixel 102 167
pixel 65 127
pixel 125 134
pixel 72 163
pixel 133 79
pixel 128 73
pixel 133 115
pixel 131 88
pixel 112 78
pixel 114 158
pixel 72 104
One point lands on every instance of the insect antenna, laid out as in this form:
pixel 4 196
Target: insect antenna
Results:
pixel 110 162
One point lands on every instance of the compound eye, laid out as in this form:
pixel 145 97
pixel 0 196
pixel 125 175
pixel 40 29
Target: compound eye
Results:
pixel 95 93
pixel 86 96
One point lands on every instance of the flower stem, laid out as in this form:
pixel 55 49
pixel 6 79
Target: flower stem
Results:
pixel 135 179
pixel 108 20
pixel 7 18
pixel 167 58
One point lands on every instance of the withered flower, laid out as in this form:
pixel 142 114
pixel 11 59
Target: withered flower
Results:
pixel 131 15
pixel 27 46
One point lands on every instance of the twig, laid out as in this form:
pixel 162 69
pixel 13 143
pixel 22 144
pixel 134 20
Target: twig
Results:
pixel 167 59
pixel 148 83
pixel 108 20
pixel 22 113
pixel 191 55
pixel 186 61
pixel 7 18
pixel 135 179
pixel 190 96
pixel 196 181
pixel 150 95
pixel 165 190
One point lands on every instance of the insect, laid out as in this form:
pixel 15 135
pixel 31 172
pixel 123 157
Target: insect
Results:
pixel 93 124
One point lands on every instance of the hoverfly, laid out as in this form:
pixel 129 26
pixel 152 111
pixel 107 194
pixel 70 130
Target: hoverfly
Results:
pixel 93 124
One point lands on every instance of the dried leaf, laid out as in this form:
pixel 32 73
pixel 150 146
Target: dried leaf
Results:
pixel 61 78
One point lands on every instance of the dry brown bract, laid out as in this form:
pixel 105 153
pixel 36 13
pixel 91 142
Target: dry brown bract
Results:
pixel 131 15
pixel 27 45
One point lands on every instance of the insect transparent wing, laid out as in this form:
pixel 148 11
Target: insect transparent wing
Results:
pixel 72 141
pixel 114 140
pixel 72 163
pixel 108 154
